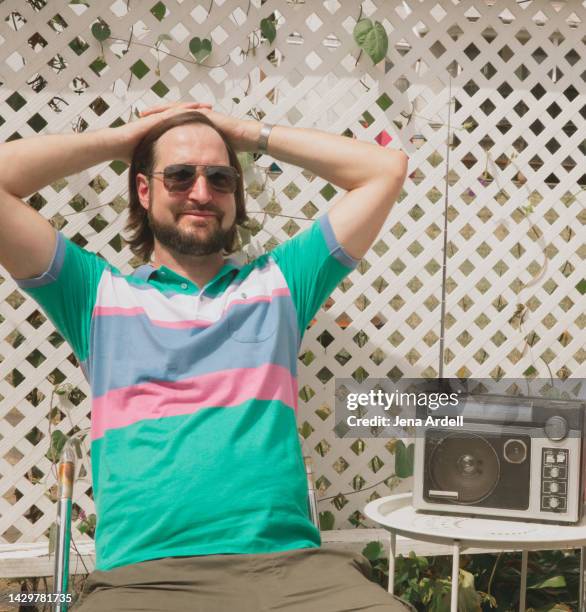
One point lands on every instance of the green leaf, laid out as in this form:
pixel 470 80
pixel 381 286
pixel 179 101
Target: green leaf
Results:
pixel 422 563
pixel 372 551
pixel 58 439
pixel 553 582
pixel 88 525
pixel 268 30
pixel 581 286
pixel 468 598
pixel 372 38
pixel 195 45
pixel 200 49
pixel 101 31
pixel 326 521
pixel 79 2
pixel 161 38
pixel 64 389
pixel 404 459
pixel 52 538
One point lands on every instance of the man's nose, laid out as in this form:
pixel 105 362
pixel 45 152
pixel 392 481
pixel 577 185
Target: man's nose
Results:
pixel 201 190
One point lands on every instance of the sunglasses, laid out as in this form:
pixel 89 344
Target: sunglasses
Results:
pixel 182 177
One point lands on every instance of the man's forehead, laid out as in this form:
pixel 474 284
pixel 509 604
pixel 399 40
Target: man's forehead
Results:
pixel 192 143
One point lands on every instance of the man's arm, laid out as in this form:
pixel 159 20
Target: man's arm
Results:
pixel 27 239
pixel 371 175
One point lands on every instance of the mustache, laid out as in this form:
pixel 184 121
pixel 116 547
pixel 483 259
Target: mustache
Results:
pixel 203 209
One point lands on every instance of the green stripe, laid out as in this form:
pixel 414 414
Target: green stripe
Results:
pixel 223 480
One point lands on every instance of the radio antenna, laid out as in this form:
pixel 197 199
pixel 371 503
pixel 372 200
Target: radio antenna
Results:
pixel 445 251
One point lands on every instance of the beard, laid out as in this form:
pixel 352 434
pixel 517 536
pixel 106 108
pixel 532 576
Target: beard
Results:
pixel 190 241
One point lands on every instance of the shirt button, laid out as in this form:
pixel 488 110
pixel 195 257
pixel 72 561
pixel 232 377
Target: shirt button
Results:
pixel 183 285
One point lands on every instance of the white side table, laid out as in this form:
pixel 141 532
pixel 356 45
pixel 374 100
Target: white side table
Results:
pixel 396 514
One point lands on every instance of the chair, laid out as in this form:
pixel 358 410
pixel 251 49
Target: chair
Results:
pixel 66 478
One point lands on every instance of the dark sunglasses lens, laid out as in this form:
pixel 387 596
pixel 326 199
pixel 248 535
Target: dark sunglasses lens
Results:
pixel 179 178
pixel 222 179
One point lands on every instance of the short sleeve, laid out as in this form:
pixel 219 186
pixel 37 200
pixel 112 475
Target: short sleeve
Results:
pixel 66 292
pixel 313 264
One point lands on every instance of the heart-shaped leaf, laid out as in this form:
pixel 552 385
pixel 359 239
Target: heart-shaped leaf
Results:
pixel 200 49
pixel 372 551
pixel 101 31
pixel 58 440
pixel 268 30
pixel 195 45
pixel 372 38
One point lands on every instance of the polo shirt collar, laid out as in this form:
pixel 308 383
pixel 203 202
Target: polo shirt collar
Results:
pixel 148 271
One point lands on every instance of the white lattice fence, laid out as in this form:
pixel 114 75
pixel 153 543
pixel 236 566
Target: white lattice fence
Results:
pixel 515 298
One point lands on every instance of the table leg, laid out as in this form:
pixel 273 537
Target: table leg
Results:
pixel 523 591
pixel 455 575
pixel 581 606
pixel 392 554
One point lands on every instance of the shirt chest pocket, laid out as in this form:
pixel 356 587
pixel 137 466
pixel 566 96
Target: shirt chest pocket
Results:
pixel 252 320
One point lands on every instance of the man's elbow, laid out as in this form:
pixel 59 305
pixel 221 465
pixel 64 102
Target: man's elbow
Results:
pixel 399 165
pixel 396 171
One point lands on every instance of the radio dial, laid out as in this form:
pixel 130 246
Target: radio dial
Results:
pixel 554 502
pixel 555 472
pixel 554 487
pixel 515 451
pixel 556 428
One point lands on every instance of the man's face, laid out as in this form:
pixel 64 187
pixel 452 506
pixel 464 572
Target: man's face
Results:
pixel 196 221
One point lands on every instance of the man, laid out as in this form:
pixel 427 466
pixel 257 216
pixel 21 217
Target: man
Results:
pixel 198 477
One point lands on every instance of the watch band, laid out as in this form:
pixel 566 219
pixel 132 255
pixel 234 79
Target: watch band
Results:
pixel 263 139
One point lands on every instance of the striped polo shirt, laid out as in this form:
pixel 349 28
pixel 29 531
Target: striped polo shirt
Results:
pixel 194 443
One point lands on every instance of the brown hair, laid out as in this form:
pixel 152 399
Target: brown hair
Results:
pixel 141 239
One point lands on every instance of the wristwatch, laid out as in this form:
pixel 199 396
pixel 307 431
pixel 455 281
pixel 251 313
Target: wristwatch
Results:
pixel 263 139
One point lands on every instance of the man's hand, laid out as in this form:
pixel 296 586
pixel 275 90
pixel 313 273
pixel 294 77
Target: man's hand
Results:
pixel 242 134
pixel 129 135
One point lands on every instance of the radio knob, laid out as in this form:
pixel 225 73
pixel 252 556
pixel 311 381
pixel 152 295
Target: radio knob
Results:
pixel 555 472
pixel 554 487
pixel 556 428
pixel 554 502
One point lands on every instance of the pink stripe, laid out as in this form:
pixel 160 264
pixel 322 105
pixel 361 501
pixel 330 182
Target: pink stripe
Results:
pixel 110 311
pixel 226 388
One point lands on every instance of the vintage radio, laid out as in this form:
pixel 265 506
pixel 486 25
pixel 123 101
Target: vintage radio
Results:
pixel 508 456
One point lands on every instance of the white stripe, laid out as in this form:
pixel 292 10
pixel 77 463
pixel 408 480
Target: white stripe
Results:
pixel 117 292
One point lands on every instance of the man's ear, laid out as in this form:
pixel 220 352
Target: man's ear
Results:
pixel 142 189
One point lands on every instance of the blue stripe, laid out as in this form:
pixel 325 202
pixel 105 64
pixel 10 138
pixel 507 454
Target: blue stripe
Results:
pixel 130 350
pixel 334 247
pixel 52 272
pixel 144 272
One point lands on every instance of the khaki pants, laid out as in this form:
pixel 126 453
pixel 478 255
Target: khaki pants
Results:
pixel 309 579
